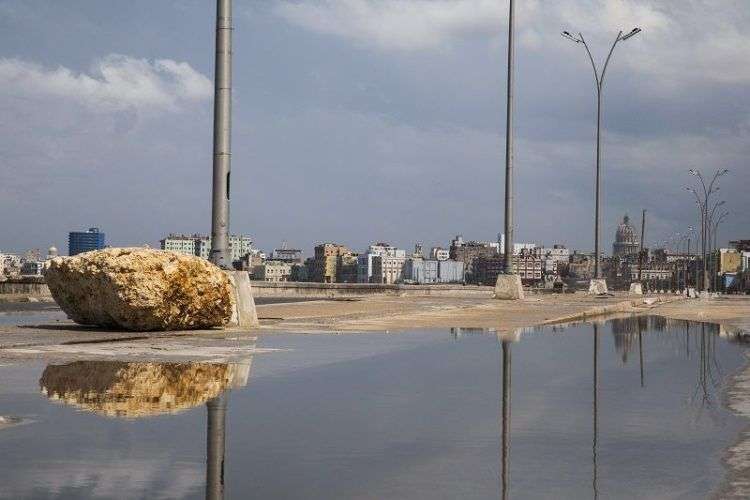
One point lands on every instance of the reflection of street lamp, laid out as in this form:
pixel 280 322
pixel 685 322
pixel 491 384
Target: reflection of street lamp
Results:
pixel 599 80
pixel 215 447
pixel 505 473
pixel 596 408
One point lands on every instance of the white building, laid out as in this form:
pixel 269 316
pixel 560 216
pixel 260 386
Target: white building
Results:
pixel 439 253
pixel 200 245
pixel 388 269
pixel 365 260
pixel 181 243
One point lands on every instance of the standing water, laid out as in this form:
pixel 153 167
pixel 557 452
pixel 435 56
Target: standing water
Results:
pixel 630 408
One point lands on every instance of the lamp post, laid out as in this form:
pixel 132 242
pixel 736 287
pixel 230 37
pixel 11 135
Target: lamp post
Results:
pixel 222 137
pixel 599 80
pixel 716 260
pixel 509 236
pixel 703 203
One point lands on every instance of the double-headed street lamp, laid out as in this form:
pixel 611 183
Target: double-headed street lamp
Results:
pixel 599 80
pixel 703 204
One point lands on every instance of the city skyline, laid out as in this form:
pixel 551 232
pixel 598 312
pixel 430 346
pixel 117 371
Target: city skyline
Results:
pixel 349 131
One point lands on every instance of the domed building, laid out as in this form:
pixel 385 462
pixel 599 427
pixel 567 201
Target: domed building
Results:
pixel 626 241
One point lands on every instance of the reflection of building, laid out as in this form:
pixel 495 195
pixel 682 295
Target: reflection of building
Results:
pixel 626 241
pixel 85 241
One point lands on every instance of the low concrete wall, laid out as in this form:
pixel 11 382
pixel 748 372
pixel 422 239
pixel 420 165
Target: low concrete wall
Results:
pixel 24 286
pixel 336 290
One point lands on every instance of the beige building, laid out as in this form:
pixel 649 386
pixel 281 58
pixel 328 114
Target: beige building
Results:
pixel 273 271
pixel 326 262
pixel 388 269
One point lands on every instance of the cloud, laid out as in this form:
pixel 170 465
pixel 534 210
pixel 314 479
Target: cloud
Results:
pixel 712 39
pixel 422 24
pixel 115 83
pixel 396 24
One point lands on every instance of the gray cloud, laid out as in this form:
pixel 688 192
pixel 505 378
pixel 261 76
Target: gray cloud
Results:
pixel 116 82
pixel 361 120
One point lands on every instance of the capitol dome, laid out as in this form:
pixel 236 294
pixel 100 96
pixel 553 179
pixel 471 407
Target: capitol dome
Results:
pixel 626 241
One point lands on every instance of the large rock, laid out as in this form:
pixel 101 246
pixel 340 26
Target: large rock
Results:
pixel 141 289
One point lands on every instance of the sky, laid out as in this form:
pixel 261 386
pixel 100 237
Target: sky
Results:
pixel 358 121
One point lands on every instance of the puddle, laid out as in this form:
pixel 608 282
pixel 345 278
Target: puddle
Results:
pixel 628 408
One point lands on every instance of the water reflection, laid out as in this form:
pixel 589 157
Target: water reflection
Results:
pixel 136 390
pixel 505 455
pixel 388 423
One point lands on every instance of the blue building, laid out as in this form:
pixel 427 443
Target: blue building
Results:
pixel 85 241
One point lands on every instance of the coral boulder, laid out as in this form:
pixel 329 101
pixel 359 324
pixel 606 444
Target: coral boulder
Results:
pixel 141 289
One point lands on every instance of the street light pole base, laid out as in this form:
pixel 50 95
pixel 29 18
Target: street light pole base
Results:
pixel 244 314
pixel 508 287
pixel 598 286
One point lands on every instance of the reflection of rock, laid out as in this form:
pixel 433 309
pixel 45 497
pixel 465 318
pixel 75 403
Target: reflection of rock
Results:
pixel 119 389
pixel 141 289
pixel 7 421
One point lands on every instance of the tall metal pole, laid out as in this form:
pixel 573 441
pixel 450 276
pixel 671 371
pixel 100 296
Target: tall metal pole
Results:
pixel 599 80
pixel 215 447
pixel 640 251
pixel 509 236
pixel 222 137
pixel 598 189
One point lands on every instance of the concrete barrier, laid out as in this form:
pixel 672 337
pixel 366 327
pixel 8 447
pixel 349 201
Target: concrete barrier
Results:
pixel 343 290
pixel 25 286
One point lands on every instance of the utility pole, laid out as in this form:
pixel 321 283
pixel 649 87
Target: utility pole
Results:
pixel 509 236
pixel 640 251
pixel 222 137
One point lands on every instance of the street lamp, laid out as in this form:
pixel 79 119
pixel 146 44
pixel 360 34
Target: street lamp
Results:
pixel 599 80
pixel 703 204
pixel 715 232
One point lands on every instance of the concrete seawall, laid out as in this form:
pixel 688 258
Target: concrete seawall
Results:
pixel 24 286
pixel 343 290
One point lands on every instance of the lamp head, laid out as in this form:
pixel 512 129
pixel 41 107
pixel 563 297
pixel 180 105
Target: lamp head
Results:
pixel 632 33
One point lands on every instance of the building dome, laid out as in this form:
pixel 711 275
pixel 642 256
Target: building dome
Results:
pixel 625 232
pixel 52 252
pixel 626 241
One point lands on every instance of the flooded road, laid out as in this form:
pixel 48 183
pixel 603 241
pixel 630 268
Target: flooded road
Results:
pixel 630 408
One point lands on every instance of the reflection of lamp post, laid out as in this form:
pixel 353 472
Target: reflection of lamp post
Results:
pixel 599 80
pixel 596 407
pixel 505 474
pixel 640 348
pixel 215 449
